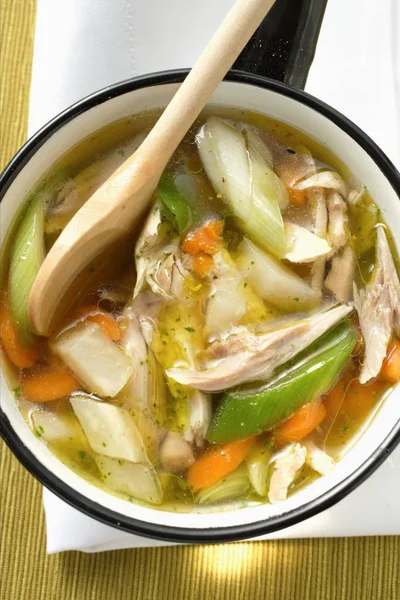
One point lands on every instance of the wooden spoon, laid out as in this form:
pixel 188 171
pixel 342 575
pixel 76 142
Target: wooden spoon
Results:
pixel 115 207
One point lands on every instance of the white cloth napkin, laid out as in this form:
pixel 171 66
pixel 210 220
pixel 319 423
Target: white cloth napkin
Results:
pixel 81 46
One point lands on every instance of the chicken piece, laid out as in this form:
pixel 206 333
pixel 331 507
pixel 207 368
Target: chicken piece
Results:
pixel 248 357
pixel 337 210
pixel 286 465
pixel 176 454
pixel 146 307
pixel 355 195
pixel 318 460
pixel 376 321
pixel 317 200
pixel 158 260
pixel 324 179
pixel 385 259
pixel 378 307
pixel 303 246
pixel 341 276
pixel 200 418
pixel 139 393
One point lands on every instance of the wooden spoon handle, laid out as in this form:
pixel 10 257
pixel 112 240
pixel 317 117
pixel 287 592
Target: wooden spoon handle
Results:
pixel 210 68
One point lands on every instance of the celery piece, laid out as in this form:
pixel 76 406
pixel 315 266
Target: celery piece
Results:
pixel 238 169
pixel 249 411
pixel 27 255
pixel 233 486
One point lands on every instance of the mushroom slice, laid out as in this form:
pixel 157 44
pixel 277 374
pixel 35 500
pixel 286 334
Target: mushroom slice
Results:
pixel 176 454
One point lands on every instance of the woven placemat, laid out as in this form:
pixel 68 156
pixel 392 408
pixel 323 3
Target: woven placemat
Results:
pixel 319 569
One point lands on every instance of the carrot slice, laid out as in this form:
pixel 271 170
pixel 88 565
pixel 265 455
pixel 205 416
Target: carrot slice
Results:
pixel 297 197
pixel 47 385
pixel 19 355
pixel 391 365
pixel 202 263
pixel 217 463
pixel 95 315
pixel 206 238
pixel 303 422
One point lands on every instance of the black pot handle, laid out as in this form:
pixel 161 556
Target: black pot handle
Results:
pixel 283 46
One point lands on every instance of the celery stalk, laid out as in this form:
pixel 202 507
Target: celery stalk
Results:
pixel 233 486
pixel 246 412
pixel 27 255
pixel 237 165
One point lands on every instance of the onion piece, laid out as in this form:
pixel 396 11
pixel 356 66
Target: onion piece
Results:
pixel 272 281
pixel 244 178
pixel 110 430
pixel 99 363
pixel 226 304
pixel 134 479
pixel 51 426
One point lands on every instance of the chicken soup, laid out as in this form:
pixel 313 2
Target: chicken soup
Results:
pixel 234 346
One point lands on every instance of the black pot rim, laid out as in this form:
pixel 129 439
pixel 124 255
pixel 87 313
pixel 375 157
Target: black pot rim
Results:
pixel 171 533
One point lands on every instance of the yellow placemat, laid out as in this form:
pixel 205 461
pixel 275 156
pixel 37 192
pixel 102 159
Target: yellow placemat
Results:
pixel 319 569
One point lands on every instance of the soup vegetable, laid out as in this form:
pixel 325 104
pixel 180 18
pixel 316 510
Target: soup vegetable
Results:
pixel 234 346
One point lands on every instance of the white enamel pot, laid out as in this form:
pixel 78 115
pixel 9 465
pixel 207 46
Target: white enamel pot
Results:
pixel 368 164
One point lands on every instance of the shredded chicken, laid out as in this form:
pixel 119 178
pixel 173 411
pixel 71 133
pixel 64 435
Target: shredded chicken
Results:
pixel 385 259
pixel 337 231
pixel 303 246
pixel 317 200
pixel 378 307
pixel 324 179
pixel 249 357
pixel 146 307
pixel 355 195
pixel 318 460
pixel 341 276
pixel 158 261
pixel 176 454
pixel 286 465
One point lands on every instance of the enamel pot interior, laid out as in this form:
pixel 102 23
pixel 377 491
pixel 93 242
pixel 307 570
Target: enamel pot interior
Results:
pixel 369 166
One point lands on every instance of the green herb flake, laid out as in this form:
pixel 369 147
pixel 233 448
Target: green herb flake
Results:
pixel 190 329
pixel 82 454
pixel 17 392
